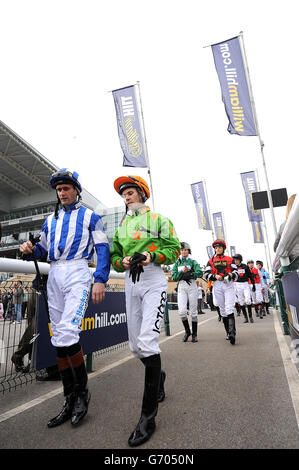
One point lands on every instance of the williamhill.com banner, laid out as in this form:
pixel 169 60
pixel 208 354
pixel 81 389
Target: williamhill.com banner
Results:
pixel 250 186
pixel 232 250
pixel 235 92
pixel 103 325
pixel 129 127
pixel 218 225
pixel 257 232
pixel 201 205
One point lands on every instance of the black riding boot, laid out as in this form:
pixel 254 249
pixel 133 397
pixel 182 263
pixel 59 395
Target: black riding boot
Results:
pixel 65 413
pixel 146 425
pixel 225 323
pixel 161 394
pixel 260 311
pixel 218 311
pixel 187 329
pixel 231 328
pixel 67 377
pixel 250 313
pixel 264 309
pixel 194 332
pixel 267 307
pixel 82 394
pixel 243 308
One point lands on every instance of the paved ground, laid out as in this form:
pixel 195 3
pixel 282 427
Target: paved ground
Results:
pixel 218 396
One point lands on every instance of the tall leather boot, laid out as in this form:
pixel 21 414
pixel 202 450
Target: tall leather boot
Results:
pixel 243 308
pixel 250 313
pixel 267 307
pixel 218 311
pixel 68 381
pixel 231 328
pixel 187 330
pixel 260 311
pixel 82 394
pixel 225 323
pixel 146 425
pixel 161 394
pixel 66 412
pixel 194 332
pixel 264 309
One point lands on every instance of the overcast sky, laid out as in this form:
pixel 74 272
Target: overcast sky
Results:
pixel 61 59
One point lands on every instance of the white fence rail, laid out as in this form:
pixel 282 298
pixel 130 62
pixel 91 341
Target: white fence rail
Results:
pixel 8 265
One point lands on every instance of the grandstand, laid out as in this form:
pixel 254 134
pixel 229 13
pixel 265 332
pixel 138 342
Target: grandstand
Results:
pixel 26 196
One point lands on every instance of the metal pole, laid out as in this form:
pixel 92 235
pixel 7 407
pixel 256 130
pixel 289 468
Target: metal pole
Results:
pixel 89 362
pixel 146 150
pixel 266 245
pixel 225 233
pixel 208 207
pixel 242 46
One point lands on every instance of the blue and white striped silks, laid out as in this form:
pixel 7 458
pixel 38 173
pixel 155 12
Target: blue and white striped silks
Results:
pixel 75 235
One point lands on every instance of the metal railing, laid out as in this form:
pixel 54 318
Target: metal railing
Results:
pixel 285 263
pixel 16 345
pixel 289 238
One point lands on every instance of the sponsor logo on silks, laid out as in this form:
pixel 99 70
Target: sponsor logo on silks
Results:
pixel 160 313
pixel 81 309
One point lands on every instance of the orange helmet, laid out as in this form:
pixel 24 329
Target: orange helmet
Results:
pixel 124 182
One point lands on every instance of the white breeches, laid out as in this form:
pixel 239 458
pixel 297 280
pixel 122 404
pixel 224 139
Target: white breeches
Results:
pixel 185 293
pixel 257 296
pixel 145 305
pixel 225 297
pixel 243 293
pixel 68 290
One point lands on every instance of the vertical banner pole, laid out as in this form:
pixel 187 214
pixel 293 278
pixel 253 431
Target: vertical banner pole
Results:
pixel 225 233
pixel 242 46
pixel 208 207
pixel 263 225
pixel 146 150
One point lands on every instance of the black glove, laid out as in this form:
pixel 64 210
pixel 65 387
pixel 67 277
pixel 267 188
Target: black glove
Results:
pixel 135 267
pixel 253 288
pixel 187 276
pixel 33 240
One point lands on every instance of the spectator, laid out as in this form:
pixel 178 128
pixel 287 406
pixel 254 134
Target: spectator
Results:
pixel 5 303
pixel 200 302
pixel 18 300
pixel 26 344
pixel 25 302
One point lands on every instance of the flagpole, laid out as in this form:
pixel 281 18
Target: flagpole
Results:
pixel 242 47
pixel 146 150
pixel 263 224
pixel 208 207
pixel 225 232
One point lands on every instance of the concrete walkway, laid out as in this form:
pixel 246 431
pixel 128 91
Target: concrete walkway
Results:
pixel 219 396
